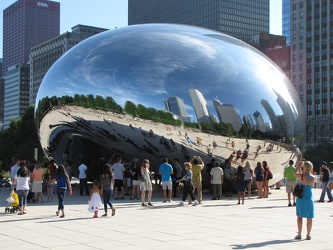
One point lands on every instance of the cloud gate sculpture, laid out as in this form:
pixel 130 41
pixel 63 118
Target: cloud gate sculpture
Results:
pixel 136 91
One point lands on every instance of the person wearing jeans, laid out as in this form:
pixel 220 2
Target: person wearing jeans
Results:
pixel 325 180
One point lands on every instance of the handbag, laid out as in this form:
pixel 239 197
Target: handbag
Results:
pixel 298 191
pixel 141 178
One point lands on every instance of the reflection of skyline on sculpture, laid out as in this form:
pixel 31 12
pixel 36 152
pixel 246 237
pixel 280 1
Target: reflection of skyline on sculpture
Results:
pixel 197 74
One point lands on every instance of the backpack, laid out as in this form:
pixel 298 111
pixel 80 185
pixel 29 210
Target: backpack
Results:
pixel 270 175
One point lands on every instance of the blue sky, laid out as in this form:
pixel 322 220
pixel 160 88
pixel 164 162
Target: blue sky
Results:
pixel 113 13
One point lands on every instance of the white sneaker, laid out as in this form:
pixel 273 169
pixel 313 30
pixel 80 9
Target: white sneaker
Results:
pixel 181 204
pixel 195 203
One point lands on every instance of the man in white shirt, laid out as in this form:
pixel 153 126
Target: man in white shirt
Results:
pixel 216 177
pixel 83 178
pixel 118 169
pixel 14 169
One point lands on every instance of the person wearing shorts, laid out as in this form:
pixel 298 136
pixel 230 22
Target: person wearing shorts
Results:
pixel 290 182
pixel 166 171
pixel 118 169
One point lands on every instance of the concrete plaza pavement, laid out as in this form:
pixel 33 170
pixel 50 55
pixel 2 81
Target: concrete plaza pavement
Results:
pixel 222 224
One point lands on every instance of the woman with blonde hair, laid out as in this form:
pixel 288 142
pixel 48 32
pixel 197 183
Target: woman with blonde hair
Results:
pixel 248 177
pixel 305 205
pixel 188 185
pixel 146 185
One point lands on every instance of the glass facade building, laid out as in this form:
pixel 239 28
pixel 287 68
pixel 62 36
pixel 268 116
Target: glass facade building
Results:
pixel 27 23
pixel 286 20
pixel 238 18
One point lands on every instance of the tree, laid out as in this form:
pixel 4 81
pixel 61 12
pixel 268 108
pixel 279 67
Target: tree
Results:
pixel 130 108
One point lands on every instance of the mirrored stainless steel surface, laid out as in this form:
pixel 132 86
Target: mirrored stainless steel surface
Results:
pixel 197 74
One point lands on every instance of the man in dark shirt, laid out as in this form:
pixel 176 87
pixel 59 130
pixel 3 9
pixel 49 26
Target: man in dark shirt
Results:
pixel 325 179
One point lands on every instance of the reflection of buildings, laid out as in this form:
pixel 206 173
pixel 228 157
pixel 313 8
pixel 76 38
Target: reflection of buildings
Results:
pixel 176 106
pixel 45 54
pixel 260 124
pixel 200 106
pixel 276 123
pixel 252 16
pixel 16 92
pixel 246 121
pixel 287 114
pixel 227 114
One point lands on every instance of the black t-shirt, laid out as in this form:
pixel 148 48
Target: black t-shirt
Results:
pixel 136 171
pixel 326 174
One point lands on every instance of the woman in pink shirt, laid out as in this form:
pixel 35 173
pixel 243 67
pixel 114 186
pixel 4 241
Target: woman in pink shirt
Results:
pixel 37 184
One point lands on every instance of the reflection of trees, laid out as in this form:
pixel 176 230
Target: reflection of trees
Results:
pixel 150 113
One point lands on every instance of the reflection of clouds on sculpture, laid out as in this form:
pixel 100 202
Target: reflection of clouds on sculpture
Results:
pixel 147 64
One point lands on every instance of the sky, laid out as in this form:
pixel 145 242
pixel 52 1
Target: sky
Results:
pixel 113 13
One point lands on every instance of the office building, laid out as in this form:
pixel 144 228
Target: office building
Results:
pixel 238 18
pixel 311 67
pixel 16 92
pixel 2 95
pixel 227 114
pixel 200 106
pixel 259 121
pixel 45 54
pixel 27 23
pixel 286 20
pixel 177 107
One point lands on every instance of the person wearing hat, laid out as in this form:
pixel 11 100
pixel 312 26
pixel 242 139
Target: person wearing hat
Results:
pixel 166 171
pixel 325 179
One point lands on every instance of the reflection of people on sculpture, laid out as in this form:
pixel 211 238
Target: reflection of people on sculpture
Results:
pixel 305 205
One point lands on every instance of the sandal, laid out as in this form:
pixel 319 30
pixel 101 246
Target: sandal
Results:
pixel 62 216
pixel 113 211
pixel 150 204
pixel 144 204
pixel 298 237
pixel 57 213
pixel 104 215
pixel 308 237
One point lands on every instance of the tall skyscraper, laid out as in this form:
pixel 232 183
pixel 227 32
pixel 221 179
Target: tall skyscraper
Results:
pixel 227 114
pixel 27 23
pixel 2 95
pixel 286 20
pixel 311 68
pixel 260 124
pixel 238 18
pixel 200 106
pixel 176 106
pixel 16 92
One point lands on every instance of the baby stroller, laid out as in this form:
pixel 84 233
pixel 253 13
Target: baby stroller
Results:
pixel 12 203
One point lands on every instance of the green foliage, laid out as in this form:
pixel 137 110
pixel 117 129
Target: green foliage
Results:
pixel 20 139
pixel 319 153
pixel 130 108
